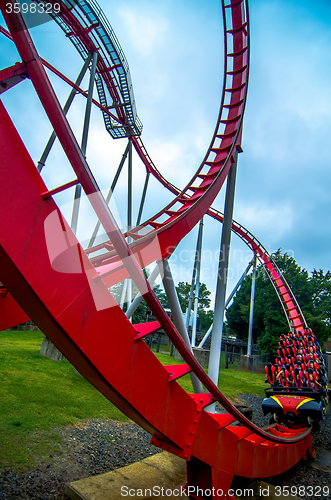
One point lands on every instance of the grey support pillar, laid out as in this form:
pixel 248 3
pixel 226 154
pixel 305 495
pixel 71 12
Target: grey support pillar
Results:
pixel 171 293
pixel 228 300
pixel 129 215
pixel 190 300
pixel 123 293
pixel 251 310
pixel 51 140
pixel 197 283
pixel 194 272
pixel 75 210
pixel 143 197
pixel 241 279
pixel 216 341
pixel 138 298
pixel 89 104
pixel 78 189
pixel 110 193
pixel 208 332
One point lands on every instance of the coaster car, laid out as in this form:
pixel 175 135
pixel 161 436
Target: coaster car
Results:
pixel 294 405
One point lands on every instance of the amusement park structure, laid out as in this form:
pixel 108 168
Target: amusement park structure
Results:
pixel 48 277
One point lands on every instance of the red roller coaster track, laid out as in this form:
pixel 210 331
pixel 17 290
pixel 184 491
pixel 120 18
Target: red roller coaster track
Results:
pixel 102 344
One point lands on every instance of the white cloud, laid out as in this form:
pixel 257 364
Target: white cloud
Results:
pixel 145 31
pixel 273 220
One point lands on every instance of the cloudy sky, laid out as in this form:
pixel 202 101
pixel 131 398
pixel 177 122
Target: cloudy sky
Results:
pixel 175 52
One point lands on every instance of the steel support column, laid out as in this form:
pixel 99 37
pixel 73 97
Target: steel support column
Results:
pixel 216 341
pixel 194 272
pixel 123 293
pixel 197 282
pixel 89 103
pixel 138 298
pixel 129 214
pixel 251 310
pixel 78 190
pixel 143 197
pixel 129 218
pixel 110 193
pixel 228 300
pixel 190 300
pixel 69 101
pixel 170 290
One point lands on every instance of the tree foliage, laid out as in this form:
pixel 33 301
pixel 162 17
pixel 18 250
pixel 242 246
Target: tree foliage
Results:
pixel 139 316
pixel 313 293
pixel 206 318
pixel 183 292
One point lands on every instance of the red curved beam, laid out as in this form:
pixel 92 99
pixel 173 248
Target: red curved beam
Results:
pixel 42 85
pixel 67 306
pixel 83 34
pixel 59 314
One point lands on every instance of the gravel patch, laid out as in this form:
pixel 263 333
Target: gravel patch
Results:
pixel 98 446
pixel 88 448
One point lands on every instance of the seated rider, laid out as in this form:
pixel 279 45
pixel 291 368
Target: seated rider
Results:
pixel 281 377
pixel 312 380
pixel 297 381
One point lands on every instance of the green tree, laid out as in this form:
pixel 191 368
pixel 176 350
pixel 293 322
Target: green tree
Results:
pixel 206 318
pixel 320 284
pixel 139 316
pixel 183 292
pixel 313 294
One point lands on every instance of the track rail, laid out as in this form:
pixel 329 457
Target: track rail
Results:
pixel 288 301
pixel 88 29
pixel 59 316
pixel 71 315
pixel 94 31
pixel 227 134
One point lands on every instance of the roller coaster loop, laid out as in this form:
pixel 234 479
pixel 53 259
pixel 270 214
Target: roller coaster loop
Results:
pixel 79 315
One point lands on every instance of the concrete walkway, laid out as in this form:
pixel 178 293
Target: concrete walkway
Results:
pixel 322 460
pixel 135 481
pixel 162 476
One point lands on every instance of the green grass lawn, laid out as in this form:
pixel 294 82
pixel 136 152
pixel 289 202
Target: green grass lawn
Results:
pixel 37 395
pixel 231 382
